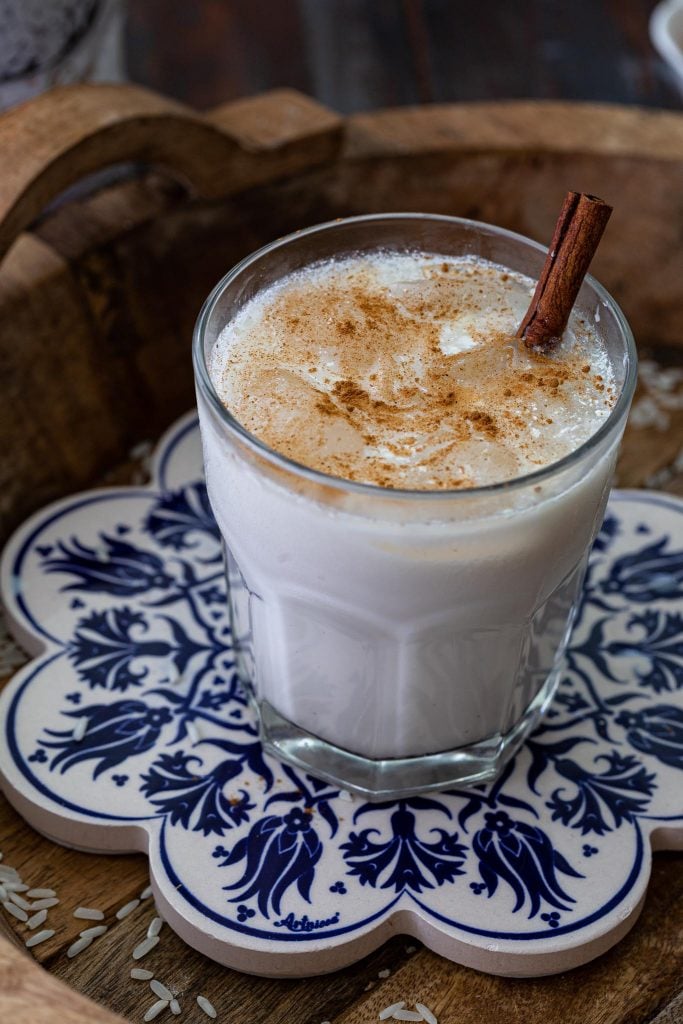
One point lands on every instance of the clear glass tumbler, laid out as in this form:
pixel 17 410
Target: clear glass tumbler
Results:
pixel 399 641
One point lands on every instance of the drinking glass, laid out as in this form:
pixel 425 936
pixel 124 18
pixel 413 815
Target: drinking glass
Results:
pixel 397 641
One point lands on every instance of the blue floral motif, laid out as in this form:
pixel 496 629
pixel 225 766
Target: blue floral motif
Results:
pixel 338 887
pixel 662 644
pixel 588 850
pixel 657 731
pixel 280 851
pixel 621 792
pixel 104 647
pixel 120 780
pixel 114 733
pixel 404 861
pixel 523 856
pixel 177 515
pixel 202 803
pixel 244 913
pixel 118 568
pixel 651 574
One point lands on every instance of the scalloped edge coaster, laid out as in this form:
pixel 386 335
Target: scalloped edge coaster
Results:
pixel 129 732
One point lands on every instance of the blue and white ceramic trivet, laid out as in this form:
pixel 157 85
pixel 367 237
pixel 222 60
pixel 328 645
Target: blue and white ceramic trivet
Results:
pixel 120 596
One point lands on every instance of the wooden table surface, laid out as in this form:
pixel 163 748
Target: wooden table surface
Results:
pixel 363 54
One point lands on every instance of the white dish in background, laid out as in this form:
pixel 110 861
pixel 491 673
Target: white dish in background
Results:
pixel 666 33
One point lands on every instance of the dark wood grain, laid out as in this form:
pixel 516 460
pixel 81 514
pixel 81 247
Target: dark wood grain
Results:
pixel 361 54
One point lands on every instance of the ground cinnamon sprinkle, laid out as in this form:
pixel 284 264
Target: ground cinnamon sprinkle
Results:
pixel 363 383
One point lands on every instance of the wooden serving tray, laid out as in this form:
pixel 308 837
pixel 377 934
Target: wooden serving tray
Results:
pixel 107 284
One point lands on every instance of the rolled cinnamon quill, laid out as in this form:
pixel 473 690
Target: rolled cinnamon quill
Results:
pixel 578 231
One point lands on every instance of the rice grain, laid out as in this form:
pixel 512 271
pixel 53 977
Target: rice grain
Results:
pixel 192 732
pixel 140 974
pixel 155 927
pixel 127 909
pixel 427 1014
pixel 174 1007
pixel 144 947
pixel 20 901
pixel 389 1011
pixel 15 911
pixel 38 894
pixel 44 904
pixel 39 937
pixel 160 990
pixel 80 729
pixel 16 886
pixel 94 933
pixel 155 1009
pixel 208 1008
pixel 88 914
pixel 37 919
pixel 407 1015
pixel 146 892
pixel 78 946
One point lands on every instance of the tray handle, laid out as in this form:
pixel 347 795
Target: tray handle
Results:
pixel 56 139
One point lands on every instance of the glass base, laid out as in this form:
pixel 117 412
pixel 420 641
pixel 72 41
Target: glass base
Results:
pixel 392 778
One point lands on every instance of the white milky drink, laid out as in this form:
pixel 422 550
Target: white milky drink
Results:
pixel 407 494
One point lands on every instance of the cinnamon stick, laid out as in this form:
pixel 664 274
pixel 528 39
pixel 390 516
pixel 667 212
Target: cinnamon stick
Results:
pixel 577 234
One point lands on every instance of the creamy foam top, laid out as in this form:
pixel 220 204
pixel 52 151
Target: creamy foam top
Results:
pixel 402 370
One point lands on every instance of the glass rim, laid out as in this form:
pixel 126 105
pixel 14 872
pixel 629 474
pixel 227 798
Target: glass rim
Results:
pixel 317 476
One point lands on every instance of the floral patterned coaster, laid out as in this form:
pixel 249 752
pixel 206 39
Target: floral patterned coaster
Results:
pixel 129 731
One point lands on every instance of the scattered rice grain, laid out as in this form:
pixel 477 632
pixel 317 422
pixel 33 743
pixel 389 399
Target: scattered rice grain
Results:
pixel 389 1011
pixel 155 1009
pixel 140 974
pixel 79 729
pixel 155 927
pixel 384 974
pixel 51 901
pixel 192 732
pixel 427 1014
pixel 174 1007
pixel 345 795
pixel 160 990
pixel 38 894
pixel 127 909
pixel 146 892
pixel 36 919
pixel 20 901
pixel 411 949
pixel 407 1015
pixel 39 937
pixel 145 947
pixel 88 914
pixel 78 946
pixel 16 886
pixel 15 911
pixel 208 1008
pixel 94 933
pixel 3 893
